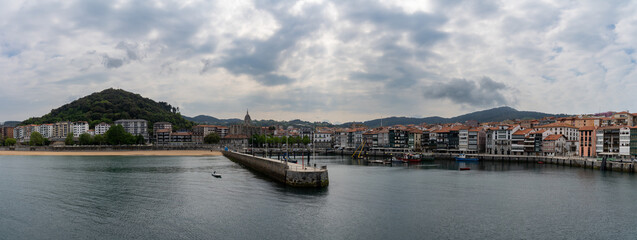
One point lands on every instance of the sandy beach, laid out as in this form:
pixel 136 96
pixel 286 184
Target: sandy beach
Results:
pixel 115 153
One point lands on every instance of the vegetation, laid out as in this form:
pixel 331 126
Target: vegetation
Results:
pixel 86 139
pixel 10 141
pixel 116 135
pixel 99 139
pixel 114 104
pixel 36 139
pixel 69 139
pixel 212 138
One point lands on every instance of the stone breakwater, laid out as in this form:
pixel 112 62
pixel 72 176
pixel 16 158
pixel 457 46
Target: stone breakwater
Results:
pixel 582 162
pixel 291 174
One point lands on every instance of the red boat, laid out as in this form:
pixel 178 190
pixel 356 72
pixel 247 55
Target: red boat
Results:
pixel 408 157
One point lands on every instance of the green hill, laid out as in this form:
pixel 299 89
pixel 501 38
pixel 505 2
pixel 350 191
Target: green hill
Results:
pixel 114 104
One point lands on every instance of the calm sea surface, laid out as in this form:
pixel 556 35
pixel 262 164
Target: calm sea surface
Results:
pixel 46 197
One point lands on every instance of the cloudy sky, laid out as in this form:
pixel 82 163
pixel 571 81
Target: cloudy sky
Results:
pixel 321 60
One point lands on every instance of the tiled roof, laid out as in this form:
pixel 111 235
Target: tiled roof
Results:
pixel 587 128
pixel 236 136
pixel 523 132
pixel 553 137
pixel 556 125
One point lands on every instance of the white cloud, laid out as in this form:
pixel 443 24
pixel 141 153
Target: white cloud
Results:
pixel 319 59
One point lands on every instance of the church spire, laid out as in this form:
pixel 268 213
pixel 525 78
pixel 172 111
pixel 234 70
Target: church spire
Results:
pixel 247 119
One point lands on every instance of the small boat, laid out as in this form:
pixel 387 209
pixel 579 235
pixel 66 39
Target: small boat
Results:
pixel 214 174
pixel 540 162
pixel 408 157
pixel 463 157
pixel 465 168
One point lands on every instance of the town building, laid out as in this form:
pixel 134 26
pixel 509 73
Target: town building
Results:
pixel 587 141
pixel 102 128
pixel 554 145
pixel 322 138
pixel 519 141
pixel 235 141
pixel 46 130
pixel 633 141
pixel 134 126
pixel 608 140
pixel 624 140
pixel 246 128
pixel 180 138
pixel 162 125
pixel 162 136
pixel 61 129
pixel 7 132
pixel 79 128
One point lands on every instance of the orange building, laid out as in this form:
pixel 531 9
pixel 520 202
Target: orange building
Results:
pixel 587 141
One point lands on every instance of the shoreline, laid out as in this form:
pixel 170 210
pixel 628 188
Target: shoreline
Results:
pixel 114 153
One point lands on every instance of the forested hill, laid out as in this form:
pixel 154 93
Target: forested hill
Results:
pixel 114 104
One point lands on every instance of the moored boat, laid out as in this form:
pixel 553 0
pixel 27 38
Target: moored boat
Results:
pixel 408 157
pixel 463 157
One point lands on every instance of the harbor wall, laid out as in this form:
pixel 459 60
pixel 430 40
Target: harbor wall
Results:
pixel 291 174
pixel 573 161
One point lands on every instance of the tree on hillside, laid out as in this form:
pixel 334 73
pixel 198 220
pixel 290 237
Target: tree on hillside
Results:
pixel 99 139
pixel 69 139
pixel 10 141
pixel 212 138
pixel 85 139
pixel 116 135
pixel 139 139
pixel 36 139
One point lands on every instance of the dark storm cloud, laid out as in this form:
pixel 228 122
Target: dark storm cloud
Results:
pixel 175 25
pixel 485 93
pixel 110 62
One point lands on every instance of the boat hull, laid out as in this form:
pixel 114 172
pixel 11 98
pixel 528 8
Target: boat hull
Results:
pixel 467 159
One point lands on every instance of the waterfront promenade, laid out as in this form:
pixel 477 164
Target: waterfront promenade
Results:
pixel 114 153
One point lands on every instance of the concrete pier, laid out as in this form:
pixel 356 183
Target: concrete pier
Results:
pixel 291 174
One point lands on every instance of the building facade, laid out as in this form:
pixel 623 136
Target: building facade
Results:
pixel 134 126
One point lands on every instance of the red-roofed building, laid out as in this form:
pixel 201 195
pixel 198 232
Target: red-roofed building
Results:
pixel 554 145
pixel 587 141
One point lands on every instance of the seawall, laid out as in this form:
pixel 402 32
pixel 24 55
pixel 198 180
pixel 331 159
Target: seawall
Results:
pixel 291 174
pixel 574 161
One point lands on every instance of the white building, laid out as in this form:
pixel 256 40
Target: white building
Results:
pixel 46 130
pixel 102 128
pixel 624 141
pixel 79 128
pixel 322 139
pixel 134 126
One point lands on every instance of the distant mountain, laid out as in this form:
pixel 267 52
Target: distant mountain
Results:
pixel 11 123
pixel 490 115
pixel 204 119
pixel 113 104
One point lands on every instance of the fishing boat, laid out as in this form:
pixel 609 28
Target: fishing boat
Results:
pixel 408 157
pixel 463 157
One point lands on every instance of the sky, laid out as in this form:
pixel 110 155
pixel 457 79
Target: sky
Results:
pixel 335 61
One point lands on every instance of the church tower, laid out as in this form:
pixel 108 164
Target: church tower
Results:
pixel 246 120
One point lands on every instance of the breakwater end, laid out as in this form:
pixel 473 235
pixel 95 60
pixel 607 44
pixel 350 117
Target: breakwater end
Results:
pixel 291 174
